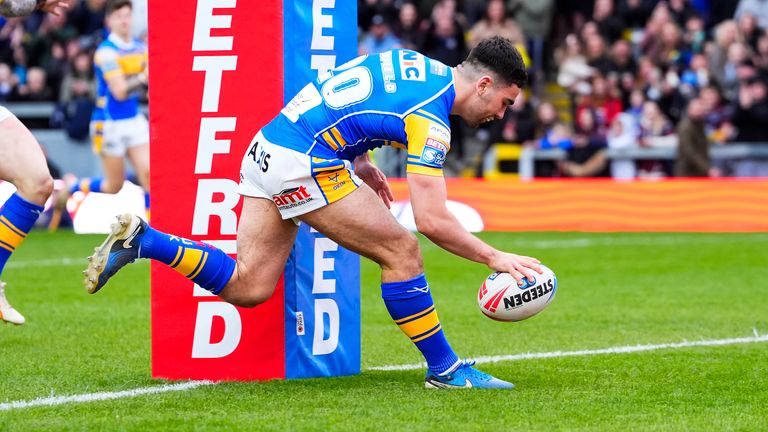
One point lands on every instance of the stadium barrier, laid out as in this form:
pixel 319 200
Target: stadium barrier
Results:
pixel 605 205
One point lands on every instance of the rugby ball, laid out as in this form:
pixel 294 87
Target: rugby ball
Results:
pixel 500 297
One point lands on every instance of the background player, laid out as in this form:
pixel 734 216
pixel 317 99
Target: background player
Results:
pixel 22 163
pixel 298 166
pixel 118 128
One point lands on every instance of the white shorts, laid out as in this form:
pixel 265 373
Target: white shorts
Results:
pixel 296 182
pixel 115 137
pixel 4 113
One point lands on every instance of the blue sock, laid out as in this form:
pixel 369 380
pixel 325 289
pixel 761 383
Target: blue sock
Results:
pixel 17 217
pixel 88 184
pixel 204 264
pixel 410 304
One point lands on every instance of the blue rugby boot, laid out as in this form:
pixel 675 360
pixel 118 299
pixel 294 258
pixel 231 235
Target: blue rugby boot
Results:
pixel 120 248
pixel 465 376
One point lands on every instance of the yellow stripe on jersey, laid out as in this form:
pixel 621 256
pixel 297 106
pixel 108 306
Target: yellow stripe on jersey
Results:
pixel 431 116
pixel 423 132
pixel 10 236
pixel 420 325
pixel 338 137
pixel 335 184
pixel 398 145
pixel 329 140
pixel 320 165
pixel 190 261
pixel 132 63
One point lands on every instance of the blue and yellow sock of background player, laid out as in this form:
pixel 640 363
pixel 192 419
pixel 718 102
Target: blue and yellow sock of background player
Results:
pixel 86 185
pixel 204 264
pixel 17 217
pixel 410 304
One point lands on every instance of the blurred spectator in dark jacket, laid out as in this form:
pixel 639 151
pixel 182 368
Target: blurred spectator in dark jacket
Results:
pixel 681 11
pixel 610 23
pixel 35 89
pixel 7 83
pixel 693 146
pixel 88 17
pixel 408 27
pixel 634 12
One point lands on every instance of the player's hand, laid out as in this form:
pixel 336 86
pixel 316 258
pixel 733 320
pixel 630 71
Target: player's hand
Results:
pixel 55 7
pixel 373 177
pixel 519 266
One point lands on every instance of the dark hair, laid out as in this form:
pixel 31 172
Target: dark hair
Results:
pixel 114 5
pixel 499 55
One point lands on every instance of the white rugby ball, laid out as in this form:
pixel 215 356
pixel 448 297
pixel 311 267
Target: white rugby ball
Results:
pixel 500 297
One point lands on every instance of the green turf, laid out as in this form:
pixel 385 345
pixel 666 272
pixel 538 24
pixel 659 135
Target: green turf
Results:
pixel 615 290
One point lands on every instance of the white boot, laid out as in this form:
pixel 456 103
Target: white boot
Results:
pixel 7 312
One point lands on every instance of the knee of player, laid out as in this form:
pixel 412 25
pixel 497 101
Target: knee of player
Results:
pixel 406 253
pixel 36 188
pixel 251 298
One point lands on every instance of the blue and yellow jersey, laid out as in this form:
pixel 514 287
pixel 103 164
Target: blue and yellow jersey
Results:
pixel 399 98
pixel 114 56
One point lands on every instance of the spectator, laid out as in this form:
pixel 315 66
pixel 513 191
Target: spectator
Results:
pixel 586 158
pixel 7 84
pixel 623 135
pixel 409 28
pixel 496 23
pixel 35 90
pixel 634 13
pixel 693 146
pixel 752 112
pixel 757 8
pixel 597 54
pixel 681 11
pixel 573 64
pixel 379 37
pixel 87 17
pixel 603 101
pixel 610 24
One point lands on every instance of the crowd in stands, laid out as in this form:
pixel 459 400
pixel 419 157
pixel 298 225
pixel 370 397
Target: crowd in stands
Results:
pixel 639 73
pixel 49 58
pixel 635 73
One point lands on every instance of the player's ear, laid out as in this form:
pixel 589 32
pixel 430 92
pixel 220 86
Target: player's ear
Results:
pixel 483 84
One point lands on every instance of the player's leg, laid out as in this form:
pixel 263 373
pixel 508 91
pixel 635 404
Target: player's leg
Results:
pixel 22 163
pixel 264 242
pixel 362 223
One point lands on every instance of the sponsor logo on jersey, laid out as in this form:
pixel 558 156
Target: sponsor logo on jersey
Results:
pixel 412 66
pixel 437 145
pixel 293 197
pixel 438 68
pixel 434 152
pixel 439 132
pixel 388 72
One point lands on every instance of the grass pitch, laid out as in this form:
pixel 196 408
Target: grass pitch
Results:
pixel 615 290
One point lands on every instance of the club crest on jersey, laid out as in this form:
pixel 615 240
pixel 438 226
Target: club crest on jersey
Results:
pixel 412 66
pixel 434 152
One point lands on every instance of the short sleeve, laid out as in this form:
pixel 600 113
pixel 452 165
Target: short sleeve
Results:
pixel 429 139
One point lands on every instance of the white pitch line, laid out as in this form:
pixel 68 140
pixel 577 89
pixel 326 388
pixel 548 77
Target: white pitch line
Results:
pixel 91 397
pixel 612 350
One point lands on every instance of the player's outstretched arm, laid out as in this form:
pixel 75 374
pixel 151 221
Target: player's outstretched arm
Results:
pixel 428 197
pixel 18 8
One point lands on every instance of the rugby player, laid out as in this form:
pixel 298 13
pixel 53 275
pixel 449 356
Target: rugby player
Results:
pixel 311 164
